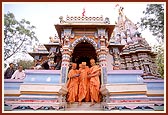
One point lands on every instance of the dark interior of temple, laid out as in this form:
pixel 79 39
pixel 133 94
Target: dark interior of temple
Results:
pixel 83 52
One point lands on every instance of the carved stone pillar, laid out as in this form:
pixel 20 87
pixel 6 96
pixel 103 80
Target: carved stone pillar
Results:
pixel 66 54
pixel 102 55
pixel 103 63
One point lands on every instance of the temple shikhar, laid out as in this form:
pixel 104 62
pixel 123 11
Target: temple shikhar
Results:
pixel 129 76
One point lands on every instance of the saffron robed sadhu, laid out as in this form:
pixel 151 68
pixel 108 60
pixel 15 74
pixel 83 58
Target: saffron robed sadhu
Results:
pixel 94 73
pixel 72 84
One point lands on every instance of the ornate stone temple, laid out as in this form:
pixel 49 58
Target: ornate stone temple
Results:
pixel 129 76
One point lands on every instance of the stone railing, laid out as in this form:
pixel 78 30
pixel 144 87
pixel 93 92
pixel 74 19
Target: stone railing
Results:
pixel 126 89
pixel 83 19
pixel 41 89
pixel 11 88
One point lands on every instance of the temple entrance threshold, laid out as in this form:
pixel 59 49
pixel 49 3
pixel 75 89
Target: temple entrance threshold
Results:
pixel 83 52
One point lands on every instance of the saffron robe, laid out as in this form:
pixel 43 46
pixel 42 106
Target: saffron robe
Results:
pixel 72 85
pixel 95 83
pixel 83 85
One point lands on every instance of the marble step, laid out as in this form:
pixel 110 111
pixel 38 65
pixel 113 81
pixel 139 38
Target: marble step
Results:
pixel 84 107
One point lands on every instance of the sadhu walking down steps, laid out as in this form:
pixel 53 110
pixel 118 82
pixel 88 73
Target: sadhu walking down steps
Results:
pixel 83 84
pixel 72 84
pixel 94 82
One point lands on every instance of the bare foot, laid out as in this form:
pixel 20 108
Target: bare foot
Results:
pixel 92 104
pixel 69 105
pixel 80 103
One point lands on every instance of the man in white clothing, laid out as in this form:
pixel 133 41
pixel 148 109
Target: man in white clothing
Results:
pixel 18 74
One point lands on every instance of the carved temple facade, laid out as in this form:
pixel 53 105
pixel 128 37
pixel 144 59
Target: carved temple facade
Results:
pixel 115 47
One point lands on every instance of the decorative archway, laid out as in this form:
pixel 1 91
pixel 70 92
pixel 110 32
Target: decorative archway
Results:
pixel 83 49
pixel 82 39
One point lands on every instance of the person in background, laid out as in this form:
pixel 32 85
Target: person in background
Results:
pixel 58 63
pixel 19 74
pixel 9 72
pixel 52 66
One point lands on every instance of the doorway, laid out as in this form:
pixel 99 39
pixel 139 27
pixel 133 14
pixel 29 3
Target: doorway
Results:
pixel 83 52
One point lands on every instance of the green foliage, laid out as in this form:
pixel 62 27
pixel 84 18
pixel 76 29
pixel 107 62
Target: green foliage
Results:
pixel 154 20
pixel 159 49
pixel 18 35
pixel 25 63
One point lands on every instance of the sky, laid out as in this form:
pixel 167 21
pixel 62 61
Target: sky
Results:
pixel 45 15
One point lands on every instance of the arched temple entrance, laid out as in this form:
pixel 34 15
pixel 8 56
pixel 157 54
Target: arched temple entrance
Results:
pixel 83 49
pixel 83 52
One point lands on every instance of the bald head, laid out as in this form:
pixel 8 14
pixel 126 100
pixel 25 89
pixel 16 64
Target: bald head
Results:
pixel 92 62
pixel 74 65
pixel 83 65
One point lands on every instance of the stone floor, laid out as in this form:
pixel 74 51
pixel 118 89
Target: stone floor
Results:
pixel 84 107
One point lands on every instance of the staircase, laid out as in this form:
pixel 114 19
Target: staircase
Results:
pixel 84 107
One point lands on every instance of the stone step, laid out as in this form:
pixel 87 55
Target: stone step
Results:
pixel 84 107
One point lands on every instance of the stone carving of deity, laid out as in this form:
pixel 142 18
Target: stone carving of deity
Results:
pixel 61 19
pixel 66 42
pixel 147 69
